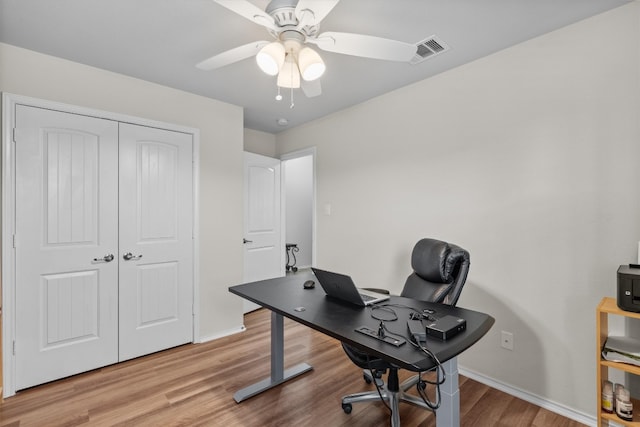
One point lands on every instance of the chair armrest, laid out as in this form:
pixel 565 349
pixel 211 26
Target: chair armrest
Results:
pixel 377 290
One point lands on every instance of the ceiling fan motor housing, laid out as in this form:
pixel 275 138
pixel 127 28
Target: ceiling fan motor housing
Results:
pixel 284 15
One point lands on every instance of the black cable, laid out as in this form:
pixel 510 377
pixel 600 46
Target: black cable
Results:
pixel 422 393
pixel 422 382
pixel 414 315
pixel 384 308
pixel 385 305
pixel 438 367
pixel 373 377
pixel 382 326
pixel 422 390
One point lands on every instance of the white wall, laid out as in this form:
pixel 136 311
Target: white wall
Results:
pixel 32 74
pixel 258 142
pixel 530 159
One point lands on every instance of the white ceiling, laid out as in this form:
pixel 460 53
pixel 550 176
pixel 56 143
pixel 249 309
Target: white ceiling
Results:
pixel 162 40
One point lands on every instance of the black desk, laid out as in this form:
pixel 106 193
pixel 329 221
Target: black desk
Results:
pixel 286 297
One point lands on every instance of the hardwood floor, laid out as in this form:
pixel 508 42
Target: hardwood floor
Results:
pixel 193 385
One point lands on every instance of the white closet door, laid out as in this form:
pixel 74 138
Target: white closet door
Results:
pixel 66 216
pixel 156 240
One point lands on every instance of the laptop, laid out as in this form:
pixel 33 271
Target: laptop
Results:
pixel 342 287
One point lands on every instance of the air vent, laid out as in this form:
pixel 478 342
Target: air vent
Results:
pixel 428 48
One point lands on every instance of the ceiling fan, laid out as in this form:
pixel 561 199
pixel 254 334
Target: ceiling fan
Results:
pixel 294 24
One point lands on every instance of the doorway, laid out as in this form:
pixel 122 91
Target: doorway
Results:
pixel 298 169
pixel 279 199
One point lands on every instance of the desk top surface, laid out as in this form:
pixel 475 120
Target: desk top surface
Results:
pixel 339 319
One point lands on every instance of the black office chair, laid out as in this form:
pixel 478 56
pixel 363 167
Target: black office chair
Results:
pixel 440 271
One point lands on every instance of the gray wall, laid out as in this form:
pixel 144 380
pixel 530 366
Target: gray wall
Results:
pixel 529 159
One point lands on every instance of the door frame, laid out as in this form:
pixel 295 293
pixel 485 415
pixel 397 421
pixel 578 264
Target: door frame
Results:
pixel 9 102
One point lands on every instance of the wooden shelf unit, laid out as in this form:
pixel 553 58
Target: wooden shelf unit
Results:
pixel 606 307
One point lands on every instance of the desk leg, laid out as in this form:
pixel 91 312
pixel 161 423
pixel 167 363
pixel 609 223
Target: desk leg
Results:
pixel 448 415
pixel 278 373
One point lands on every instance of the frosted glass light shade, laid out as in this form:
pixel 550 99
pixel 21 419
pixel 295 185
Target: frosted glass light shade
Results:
pixel 270 58
pixel 289 76
pixel 310 63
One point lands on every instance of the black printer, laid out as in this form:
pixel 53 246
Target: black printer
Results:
pixel 629 288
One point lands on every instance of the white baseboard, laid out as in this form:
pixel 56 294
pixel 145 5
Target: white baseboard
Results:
pixel 221 334
pixel 556 407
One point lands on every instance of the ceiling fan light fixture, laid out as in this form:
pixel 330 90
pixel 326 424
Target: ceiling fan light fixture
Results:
pixel 270 58
pixel 289 75
pixel 310 63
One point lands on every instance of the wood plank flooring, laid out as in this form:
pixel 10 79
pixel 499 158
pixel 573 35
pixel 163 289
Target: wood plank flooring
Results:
pixel 193 385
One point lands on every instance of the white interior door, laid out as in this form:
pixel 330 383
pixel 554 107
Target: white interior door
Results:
pixel 103 242
pixel 263 247
pixel 66 242
pixel 156 240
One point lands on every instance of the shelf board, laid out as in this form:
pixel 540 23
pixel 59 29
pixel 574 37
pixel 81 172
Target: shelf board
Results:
pixel 633 369
pixel 609 305
pixel 614 417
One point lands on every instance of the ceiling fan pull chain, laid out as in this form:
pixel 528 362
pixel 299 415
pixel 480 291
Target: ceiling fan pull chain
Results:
pixel 291 106
pixel 278 96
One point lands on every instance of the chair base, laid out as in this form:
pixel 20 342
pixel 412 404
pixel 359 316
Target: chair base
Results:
pixel 392 393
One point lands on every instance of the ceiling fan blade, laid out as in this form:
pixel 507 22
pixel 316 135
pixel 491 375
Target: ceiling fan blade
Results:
pixel 311 12
pixel 312 88
pixel 230 56
pixel 365 46
pixel 249 11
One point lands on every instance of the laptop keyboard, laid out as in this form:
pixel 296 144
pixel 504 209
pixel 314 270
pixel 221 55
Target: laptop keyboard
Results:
pixel 366 298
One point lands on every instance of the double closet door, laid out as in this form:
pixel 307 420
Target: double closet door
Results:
pixel 103 242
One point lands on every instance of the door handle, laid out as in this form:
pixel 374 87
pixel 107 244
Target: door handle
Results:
pixel 131 257
pixel 106 258
pixel 245 241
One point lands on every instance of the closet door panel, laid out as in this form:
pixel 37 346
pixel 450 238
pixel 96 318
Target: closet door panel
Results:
pixel 156 240
pixel 66 223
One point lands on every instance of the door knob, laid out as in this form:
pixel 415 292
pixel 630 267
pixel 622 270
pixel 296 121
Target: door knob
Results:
pixel 106 258
pixel 129 256
pixel 245 241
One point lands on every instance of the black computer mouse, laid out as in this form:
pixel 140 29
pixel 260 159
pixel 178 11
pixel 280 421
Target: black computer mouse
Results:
pixel 309 284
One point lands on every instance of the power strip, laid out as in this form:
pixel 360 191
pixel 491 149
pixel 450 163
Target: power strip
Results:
pixel 397 341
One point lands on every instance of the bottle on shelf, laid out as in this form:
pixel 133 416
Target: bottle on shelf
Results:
pixel 607 397
pixel 624 407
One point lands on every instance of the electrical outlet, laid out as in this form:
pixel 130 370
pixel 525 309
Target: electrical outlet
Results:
pixel 507 340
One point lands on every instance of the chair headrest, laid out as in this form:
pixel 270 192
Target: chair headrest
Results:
pixel 431 259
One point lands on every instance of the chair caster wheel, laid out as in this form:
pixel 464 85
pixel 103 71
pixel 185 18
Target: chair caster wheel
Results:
pixel 346 407
pixel 422 386
pixel 367 379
